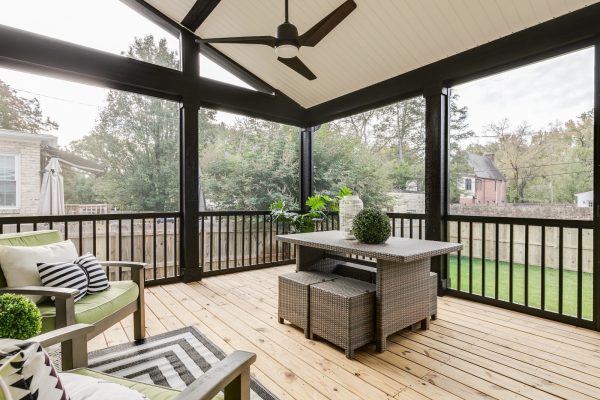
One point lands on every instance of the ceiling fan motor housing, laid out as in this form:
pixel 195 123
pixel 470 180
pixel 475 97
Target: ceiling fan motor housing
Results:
pixel 287 34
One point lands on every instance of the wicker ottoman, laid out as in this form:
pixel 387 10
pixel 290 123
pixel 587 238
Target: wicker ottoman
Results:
pixel 294 296
pixel 343 312
pixel 433 288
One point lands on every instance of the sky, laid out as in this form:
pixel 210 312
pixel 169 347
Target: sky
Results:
pixel 558 89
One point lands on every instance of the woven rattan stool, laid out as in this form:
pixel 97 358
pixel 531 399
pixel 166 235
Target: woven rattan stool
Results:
pixel 343 312
pixel 294 296
pixel 433 288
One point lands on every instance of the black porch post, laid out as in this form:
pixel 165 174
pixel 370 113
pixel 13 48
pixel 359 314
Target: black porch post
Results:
pixel 306 165
pixel 596 257
pixel 189 203
pixel 436 173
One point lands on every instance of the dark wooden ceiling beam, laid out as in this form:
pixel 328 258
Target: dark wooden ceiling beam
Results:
pixel 47 56
pixel 176 29
pixel 198 14
pixel 557 36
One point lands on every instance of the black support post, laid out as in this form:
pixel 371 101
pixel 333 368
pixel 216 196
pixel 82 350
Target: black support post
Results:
pixel 596 256
pixel 306 165
pixel 436 173
pixel 189 204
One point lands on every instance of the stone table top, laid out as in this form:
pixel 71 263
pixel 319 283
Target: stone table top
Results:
pixel 394 249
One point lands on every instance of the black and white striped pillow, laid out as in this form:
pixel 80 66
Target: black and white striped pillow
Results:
pixel 98 281
pixel 64 275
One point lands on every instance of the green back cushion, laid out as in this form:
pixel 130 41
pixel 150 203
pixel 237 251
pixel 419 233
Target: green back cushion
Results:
pixel 38 238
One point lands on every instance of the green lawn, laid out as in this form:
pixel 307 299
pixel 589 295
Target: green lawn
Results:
pixel 534 295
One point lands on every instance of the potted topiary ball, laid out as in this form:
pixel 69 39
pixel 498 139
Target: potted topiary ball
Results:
pixel 371 226
pixel 19 317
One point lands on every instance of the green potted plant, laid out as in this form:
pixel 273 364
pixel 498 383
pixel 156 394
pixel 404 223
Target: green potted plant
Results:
pixel 371 226
pixel 320 206
pixel 19 317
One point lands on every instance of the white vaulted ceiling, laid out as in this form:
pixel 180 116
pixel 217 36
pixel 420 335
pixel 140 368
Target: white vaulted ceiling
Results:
pixel 379 40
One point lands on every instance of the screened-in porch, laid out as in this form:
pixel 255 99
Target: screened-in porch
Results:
pixel 188 142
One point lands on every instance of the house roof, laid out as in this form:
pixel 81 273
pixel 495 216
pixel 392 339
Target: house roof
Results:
pixel 74 160
pixel 44 139
pixel 380 39
pixel 484 167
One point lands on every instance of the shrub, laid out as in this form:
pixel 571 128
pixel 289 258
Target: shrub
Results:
pixel 371 226
pixel 19 317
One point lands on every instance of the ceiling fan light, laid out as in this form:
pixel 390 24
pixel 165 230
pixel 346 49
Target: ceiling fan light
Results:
pixel 286 51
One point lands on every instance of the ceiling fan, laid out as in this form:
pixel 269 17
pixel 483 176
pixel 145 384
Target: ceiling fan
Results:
pixel 287 43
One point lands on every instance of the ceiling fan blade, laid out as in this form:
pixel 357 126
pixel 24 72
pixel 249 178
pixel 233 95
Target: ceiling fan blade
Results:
pixel 315 34
pixel 266 40
pixel 298 66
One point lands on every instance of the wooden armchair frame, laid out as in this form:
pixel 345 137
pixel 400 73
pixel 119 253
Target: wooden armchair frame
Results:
pixel 231 375
pixel 65 311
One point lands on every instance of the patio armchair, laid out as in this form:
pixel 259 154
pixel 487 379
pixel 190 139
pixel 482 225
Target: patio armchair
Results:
pixel 230 376
pixel 101 310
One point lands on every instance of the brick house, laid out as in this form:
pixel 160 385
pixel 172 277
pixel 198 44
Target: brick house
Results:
pixel 485 184
pixel 22 158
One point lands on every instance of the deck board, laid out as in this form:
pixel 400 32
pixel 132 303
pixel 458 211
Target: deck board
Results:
pixel 473 351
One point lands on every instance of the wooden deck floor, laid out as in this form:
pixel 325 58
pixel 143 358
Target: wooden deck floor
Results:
pixel 472 351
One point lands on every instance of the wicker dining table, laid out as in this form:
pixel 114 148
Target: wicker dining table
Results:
pixel 402 278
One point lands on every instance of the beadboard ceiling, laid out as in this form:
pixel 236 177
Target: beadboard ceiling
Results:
pixel 379 40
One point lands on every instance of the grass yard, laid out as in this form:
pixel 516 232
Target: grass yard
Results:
pixel 534 289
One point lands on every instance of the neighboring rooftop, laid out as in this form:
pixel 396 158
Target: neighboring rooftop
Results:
pixel 484 167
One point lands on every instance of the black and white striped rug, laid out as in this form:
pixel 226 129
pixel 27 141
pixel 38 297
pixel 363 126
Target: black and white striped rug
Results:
pixel 174 359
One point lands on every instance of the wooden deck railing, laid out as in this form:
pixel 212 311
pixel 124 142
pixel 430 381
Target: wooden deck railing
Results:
pixel 538 266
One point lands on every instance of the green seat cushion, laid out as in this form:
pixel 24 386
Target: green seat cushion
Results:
pixel 152 392
pixel 94 307
pixel 27 239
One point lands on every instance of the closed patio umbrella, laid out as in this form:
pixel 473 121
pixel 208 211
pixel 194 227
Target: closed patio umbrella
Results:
pixel 52 193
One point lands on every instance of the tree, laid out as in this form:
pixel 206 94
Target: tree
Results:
pixel 137 139
pixel 21 114
pixel 251 165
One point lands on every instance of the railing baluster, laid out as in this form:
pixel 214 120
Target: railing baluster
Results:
pixel 66 230
pixel 470 257
pixel 402 227
pixel 420 228
pixel 410 232
pixel 175 246
pixel 227 243
pixel 80 236
pixel 511 256
pixel 107 240
pixel 394 226
pixel 165 229
pixel 459 258
pixel 154 253
pixel 94 237
pixel 579 271
pixel 526 255
pixel 264 238
pixel 257 239
pixel 483 270
pixel 243 237
pixel 120 248
pixel 131 240
pixel 277 241
pixel 270 238
pixel 210 243
pixel 497 260
pixel 250 240
pixel 235 233
pixel 543 271
pixel 560 270
pixel 202 234
pixel 219 243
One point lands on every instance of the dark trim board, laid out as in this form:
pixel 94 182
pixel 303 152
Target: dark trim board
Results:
pixel 198 13
pixel 42 55
pixel 569 32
